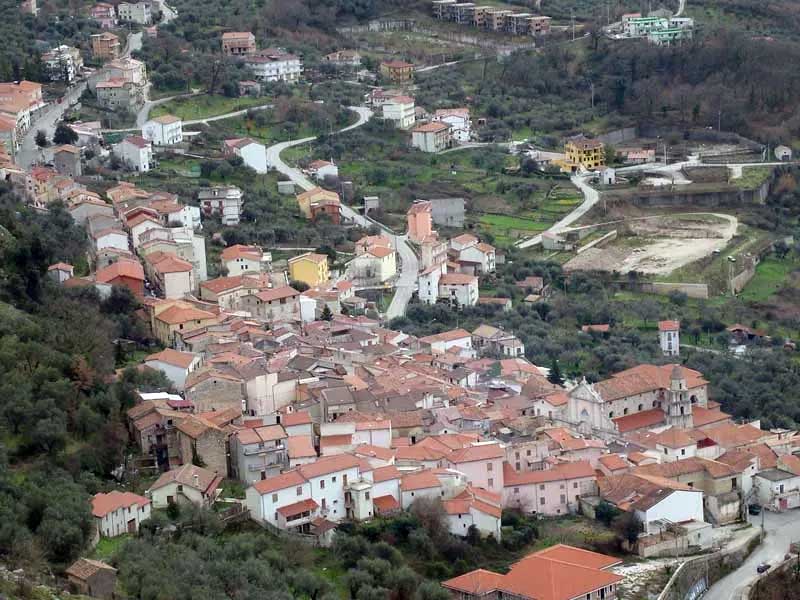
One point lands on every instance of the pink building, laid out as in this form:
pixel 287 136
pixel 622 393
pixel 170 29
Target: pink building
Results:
pixel 482 464
pixel 555 491
pixel 420 221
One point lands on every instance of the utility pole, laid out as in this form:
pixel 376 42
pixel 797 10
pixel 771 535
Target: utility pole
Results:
pixel 719 119
pixel 572 22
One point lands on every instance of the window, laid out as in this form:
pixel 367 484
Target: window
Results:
pixel 624 411
pixel 274 497
pixel 180 488
pixel 563 499
pixel 344 478
pixel 733 483
pixel 541 487
pixel 276 516
pixel 517 466
pixel 575 486
pixel 611 415
pixel 299 491
pixel 516 490
pixel 333 479
pixel 666 451
pixel 516 455
pixel 683 451
pixel 491 482
pixel 541 501
pixel 366 495
pixel 528 453
pixel 322 484
pixel 488 466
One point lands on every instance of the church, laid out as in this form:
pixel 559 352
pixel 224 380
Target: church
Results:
pixel 641 398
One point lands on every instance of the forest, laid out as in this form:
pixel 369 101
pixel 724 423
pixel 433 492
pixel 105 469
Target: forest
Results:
pixel 61 429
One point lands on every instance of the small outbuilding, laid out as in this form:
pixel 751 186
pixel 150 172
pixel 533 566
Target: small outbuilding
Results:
pixel 92 578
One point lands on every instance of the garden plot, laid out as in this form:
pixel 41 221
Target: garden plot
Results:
pixel 659 245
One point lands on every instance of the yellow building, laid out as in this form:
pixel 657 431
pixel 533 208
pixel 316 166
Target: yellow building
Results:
pixel 309 268
pixel 397 71
pixel 585 153
pixel 170 318
pixel 315 196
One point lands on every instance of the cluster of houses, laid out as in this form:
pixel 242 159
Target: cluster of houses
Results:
pixel 136 152
pixel 491 18
pixel 109 16
pixel 430 132
pixel 449 269
pixel 267 65
pixel 656 28
pixel 343 419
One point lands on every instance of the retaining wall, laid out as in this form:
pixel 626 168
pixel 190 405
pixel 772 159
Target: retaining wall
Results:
pixel 694 576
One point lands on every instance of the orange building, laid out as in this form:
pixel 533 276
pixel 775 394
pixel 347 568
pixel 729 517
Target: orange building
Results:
pixel 420 220
pixel 397 71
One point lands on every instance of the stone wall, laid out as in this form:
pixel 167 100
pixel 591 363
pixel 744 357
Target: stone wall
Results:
pixel 693 290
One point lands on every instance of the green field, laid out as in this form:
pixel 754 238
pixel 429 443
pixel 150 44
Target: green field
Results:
pixel 771 275
pixel 204 106
pixel 752 177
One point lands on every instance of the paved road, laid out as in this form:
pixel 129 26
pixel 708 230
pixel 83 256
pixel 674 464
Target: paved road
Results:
pixel 590 198
pixel 781 528
pixel 409 265
pixel 29 153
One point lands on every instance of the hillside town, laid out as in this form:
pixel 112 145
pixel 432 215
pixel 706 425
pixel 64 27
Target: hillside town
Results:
pixel 424 303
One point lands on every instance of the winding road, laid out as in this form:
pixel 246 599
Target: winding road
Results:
pixel 781 529
pixel 409 264
pixel 590 198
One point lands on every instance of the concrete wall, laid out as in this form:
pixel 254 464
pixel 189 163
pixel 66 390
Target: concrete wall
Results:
pixel 618 136
pixel 693 290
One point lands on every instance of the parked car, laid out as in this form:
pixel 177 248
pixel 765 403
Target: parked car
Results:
pixel 763 568
pixel 754 509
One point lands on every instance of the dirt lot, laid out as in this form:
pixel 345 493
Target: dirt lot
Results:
pixel 659 245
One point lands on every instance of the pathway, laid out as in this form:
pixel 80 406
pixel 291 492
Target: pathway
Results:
pixel 205 121
pixel 409 264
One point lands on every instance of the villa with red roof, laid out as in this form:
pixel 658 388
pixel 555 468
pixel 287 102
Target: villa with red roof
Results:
pixel 117 513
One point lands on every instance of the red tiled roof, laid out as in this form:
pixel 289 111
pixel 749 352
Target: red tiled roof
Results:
pixel 102 504
pixel 669 325
pixel 300 446
pixel 386 504
pixel 385 474
pixel 279 482
pixel 329 464
pixel 476 453
pixel 300 417
pixel 297 508
pixel 640 420
pixel 572 470
pixel 420 480
pixel 173 357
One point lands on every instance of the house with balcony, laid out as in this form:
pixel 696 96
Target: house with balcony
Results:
pixel 259 453
pixel 238 43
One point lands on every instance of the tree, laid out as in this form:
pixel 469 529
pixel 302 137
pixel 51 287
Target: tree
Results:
pixel 628 527
pixel 41 138
pixel 606 512
pixel 554 376
pixel 326 315
pixel 64 135
pixel 300 286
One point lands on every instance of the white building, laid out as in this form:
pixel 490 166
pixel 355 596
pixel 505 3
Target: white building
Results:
pixel 239 259
pixel 117 513
pixel 459 287
pixel 777 489
pixel 669 337
pixel 166 130
pixel 175 365
pixel 63 63
pixel 428 283
pixel 293 499
pixel 253 154
pixel 223 200
pixel 274 64
pixel 136 153
pixel 136 12
pixel 320 169
pixel 188 484
pixel 400 110
pixel 459 121
pixel 378 264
